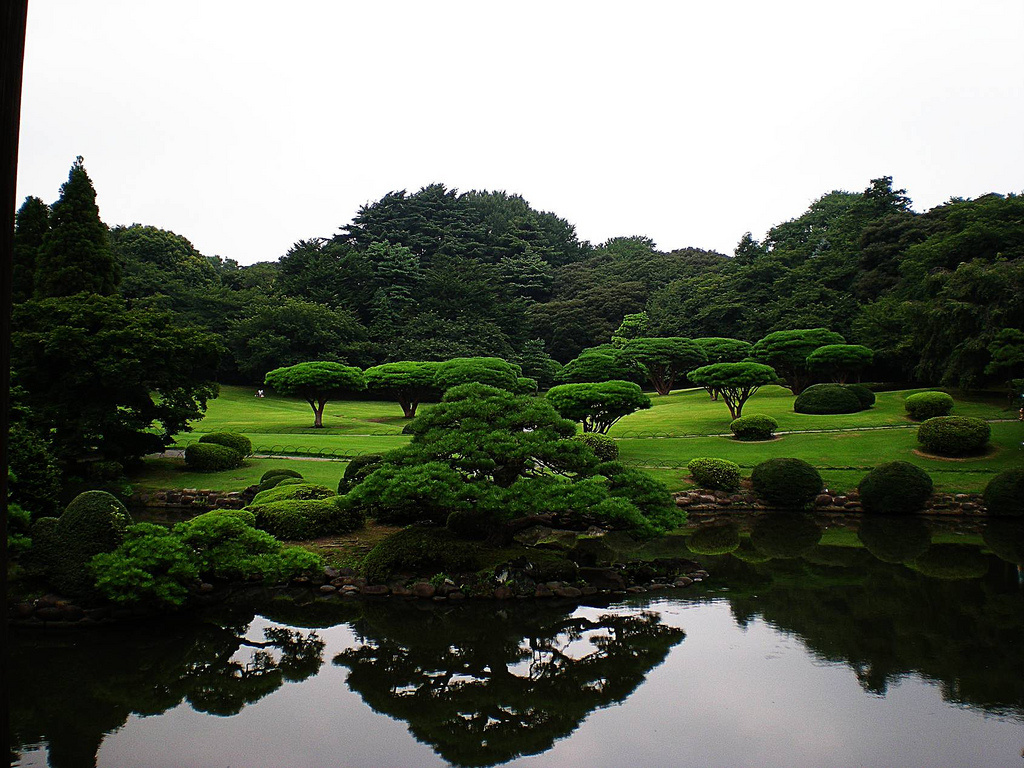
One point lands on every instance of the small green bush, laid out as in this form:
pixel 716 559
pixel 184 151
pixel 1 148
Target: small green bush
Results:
pixel 895 488
pixel 1006 539
pixel 788 483
pixel 358 469
pixel 296 490
pixel 827 398
pixel 418 551
pixel 238 443
pixel 954 435
pixel 865 395
pixel 151 564
pixel 756 426
pixel 279 472
pixel 304 519
pixel 1004 494
pixel 720 474
pixel 94 522
pixel 603 446
pixel 714 540
pixel 951 562
pixel 927 405
pixel 211 457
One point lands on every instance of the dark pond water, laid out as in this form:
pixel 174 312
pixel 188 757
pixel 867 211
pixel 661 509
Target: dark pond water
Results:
pixel 799 651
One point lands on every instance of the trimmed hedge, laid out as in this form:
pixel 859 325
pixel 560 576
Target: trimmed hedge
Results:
pixel 951 562
pixel 865 395
pixel 94 522
pixel 719 474
pixel 827 398
pixel 1004 494
pixel 304 519
pixel 788 483
pixel 603 446
pixel 954 435
pixel 211 457
pixel 236 442
pixel 785 535
pixel 927 405
pixel 279 472
pixel 756 426
pixel 358 469
pixel 894 539
pixel 294 490
pixel 895 488
pixel 419 551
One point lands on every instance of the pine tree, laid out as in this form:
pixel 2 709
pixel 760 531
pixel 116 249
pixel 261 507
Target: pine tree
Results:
pixel 75 255
pixel 31 224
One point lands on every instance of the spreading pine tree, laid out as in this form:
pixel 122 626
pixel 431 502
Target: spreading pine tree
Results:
pixel 75 254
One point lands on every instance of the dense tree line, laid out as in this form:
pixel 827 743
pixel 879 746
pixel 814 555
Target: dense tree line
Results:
pixel 437 274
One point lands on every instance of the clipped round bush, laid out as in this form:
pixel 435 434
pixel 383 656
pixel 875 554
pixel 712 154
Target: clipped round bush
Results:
pixel 790 483
pixel 293 490
pixel 756 426
pixel 304 519
pixel 749 554
pixel 719 474
pixel 714 540
pixel 927 405
pixel 1004 494
pixel 865 395
pixel 952 562
pixel 786 534
pixel 827 398
pixel 603 446
pixel 895 488
pixel 211 457
pixel 418 551
pixel 357 470
pixel 279 472
pixel 94 522
pixel 239 443
pixel 894 539
pixel 954 435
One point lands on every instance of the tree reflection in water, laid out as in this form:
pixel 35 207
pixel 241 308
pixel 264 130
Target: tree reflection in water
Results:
pixel 73 689
pixel 485 687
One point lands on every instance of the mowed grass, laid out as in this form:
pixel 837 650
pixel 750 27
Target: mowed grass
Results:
pixel 679 427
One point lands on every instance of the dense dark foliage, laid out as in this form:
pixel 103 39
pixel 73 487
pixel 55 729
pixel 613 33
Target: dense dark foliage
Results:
pixel 954 435
pixel 895 488
pixel 786 482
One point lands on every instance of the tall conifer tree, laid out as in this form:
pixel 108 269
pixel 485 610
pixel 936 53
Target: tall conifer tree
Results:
pixel 75 255
pixel 31 224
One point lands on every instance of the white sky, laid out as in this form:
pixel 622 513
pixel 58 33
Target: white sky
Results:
pixel 246 126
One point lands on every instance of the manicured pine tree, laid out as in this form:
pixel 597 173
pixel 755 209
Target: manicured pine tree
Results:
pixel 31 224
pixel 75 254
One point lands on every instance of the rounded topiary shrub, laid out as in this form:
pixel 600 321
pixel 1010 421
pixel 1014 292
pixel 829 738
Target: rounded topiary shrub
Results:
pixel 1006 539
pixel 756 426
pixel 894 539
pixel 418 551
pixel 827 398
pixel 1004 494
pixel 279 472
pixel 292 490
pixel 895 488
pixel 357 470
pixel 304 519
pixel 865 395
pixel 211 457
pixel 714 540
pixel 951 561
pixel 236 442
pixel 719 474
pixel 785 535
pixel 603 446
pixel 789 483
pixel 954 435
pixel 927 405
pixel 94 522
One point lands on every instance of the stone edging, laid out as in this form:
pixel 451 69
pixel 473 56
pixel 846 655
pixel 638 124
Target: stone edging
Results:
pixel 702 500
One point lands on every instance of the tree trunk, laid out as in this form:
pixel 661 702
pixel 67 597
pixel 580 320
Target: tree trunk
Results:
pixel 408 406
pixel 318 414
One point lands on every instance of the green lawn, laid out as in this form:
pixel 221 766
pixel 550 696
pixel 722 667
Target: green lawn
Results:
pixel 680 426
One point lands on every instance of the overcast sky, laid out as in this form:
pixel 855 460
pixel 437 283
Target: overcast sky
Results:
pixel 246 126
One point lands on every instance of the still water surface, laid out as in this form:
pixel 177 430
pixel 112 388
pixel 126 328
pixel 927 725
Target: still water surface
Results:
pixel 831 658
